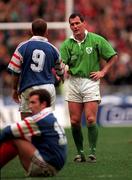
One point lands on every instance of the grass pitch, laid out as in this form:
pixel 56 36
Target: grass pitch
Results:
pixel 114 159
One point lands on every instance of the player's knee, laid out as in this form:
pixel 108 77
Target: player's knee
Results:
pixel 75 120
pixel 91 120
pixel 75 123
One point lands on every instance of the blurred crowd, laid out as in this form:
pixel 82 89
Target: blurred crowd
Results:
pixel 109 18
pixel 113 20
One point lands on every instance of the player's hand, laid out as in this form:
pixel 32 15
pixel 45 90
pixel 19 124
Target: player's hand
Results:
pixel 15 96
pixel 66 75
pixel 97 75
pixel 66 72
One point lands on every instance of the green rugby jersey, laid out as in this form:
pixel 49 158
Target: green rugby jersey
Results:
pixel 84 58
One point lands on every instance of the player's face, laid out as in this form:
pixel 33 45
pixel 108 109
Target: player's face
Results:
pixel 35 105
pixel 77 26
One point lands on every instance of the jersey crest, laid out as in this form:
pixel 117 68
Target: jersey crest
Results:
pixel 89 50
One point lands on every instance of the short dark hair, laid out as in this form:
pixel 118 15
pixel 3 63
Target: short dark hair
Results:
pixel 73 15
pixel 39 27
pixel 43 95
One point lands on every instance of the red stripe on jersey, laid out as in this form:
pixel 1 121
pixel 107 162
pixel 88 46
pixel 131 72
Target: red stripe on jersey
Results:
pixel 14 64
pixel 16 56
pixel 20 130
pixel 29 127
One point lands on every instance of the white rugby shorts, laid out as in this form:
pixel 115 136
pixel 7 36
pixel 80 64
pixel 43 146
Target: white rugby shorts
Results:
pixel 24 96
pixel 82 90
pixel 39 167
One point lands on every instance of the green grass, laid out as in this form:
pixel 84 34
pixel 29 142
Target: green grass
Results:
pixel 114 159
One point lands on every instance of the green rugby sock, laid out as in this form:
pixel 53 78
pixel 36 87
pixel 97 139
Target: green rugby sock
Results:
pixel 92 137
pixel 78 138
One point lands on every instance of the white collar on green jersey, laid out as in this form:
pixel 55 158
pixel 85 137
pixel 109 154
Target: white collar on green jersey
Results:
pixel 39 38
pixel 72 37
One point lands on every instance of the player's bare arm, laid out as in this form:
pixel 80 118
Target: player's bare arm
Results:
pixel 15 94
pixel 100 74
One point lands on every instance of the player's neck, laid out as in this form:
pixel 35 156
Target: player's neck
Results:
pixel 80 37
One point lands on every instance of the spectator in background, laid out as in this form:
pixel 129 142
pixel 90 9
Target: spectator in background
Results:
pixel 31 66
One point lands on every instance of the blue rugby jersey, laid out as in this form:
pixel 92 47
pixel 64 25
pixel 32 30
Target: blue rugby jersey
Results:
pixel 34 60
pixel 45 134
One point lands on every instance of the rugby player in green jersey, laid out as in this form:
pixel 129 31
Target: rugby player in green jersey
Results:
pixel 82 53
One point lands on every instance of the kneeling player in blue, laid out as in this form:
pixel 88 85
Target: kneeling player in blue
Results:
pixel 39 141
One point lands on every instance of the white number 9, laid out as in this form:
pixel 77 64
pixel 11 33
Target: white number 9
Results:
pixel 38 58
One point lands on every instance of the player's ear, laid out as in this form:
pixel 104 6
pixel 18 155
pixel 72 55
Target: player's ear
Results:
pixel 44 104
pixel 46 33
pixel 85 23
pixel 31 32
